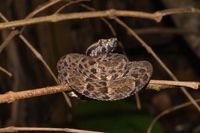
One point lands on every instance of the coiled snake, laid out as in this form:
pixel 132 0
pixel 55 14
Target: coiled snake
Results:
pixel 102 74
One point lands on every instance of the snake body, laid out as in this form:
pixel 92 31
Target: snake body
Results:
pixel 103 75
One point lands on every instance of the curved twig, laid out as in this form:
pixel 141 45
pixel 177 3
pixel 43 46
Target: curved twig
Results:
pixel 167 112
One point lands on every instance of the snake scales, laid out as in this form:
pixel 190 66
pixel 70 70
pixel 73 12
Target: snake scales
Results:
pixel 103 75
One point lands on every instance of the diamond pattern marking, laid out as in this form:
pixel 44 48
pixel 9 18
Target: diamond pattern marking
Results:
pixel 103 75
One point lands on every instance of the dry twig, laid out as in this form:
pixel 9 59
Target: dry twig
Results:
pixel 156 16
pixel 5 71
pixel 165 31
pixel 68 4
pixel 44 129
pixel 103 19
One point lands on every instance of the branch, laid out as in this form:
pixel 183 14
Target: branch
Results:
pixel 42 129
pixel 12 96
pixel 165 84
pixel 156 16
pixel 166 31
pixel 153 84
pixel 5 71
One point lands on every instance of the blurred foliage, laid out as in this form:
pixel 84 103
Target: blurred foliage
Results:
pixel 113 117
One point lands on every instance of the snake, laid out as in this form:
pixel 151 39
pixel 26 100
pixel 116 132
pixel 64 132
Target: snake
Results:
pixel 102 74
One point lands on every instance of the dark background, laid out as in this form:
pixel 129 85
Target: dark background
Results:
pixel 179 49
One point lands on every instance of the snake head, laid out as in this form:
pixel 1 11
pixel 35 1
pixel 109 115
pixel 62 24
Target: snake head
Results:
pixel 102 46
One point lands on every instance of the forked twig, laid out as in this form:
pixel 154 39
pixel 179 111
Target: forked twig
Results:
pixel 10 36
pixel 40 9
pixel 38 55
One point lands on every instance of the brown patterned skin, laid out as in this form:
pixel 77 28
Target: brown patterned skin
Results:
pixel 103 76
pixel 102 46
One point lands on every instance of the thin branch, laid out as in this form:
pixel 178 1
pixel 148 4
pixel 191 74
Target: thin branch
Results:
pixel 156 16
pixel 39 9
pixel 167 112
pixel 5 71
pixel 34 51
pixel 166 30
pixel 173 11
pixel 11 96
pixel 44 129
pixel 42 7
pixel 103 19
pixel 164 84
pixel 38 55
pixel 156 57
pixel 68 4
pixel 10 36
pixel 153 84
